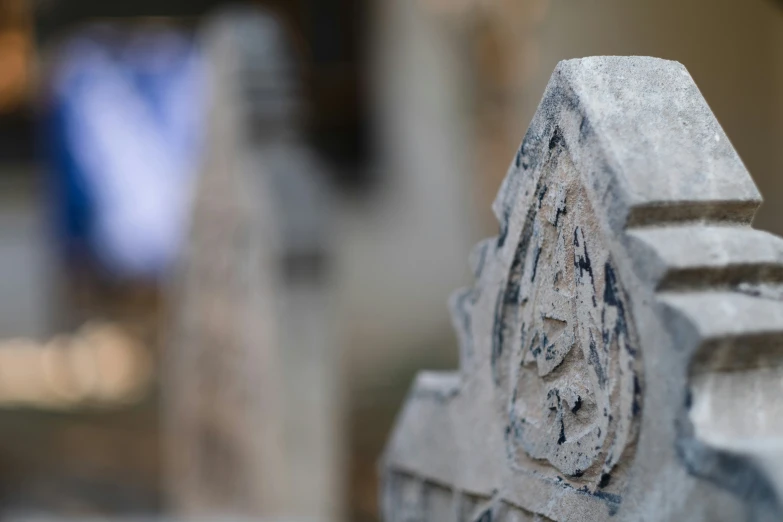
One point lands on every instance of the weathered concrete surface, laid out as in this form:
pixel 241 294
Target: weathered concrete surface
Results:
pixel 625 300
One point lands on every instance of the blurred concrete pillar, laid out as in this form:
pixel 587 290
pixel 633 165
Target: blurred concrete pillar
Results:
pixel 399 247
pixel 251 382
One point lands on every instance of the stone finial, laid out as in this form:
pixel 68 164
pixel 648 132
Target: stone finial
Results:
pixel 620 351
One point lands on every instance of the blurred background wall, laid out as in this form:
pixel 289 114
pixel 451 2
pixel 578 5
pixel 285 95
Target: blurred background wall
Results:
pixel 417 107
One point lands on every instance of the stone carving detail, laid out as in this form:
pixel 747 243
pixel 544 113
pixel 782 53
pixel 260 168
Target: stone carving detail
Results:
pixel 575 364
pixel 413 499
pixel 621 351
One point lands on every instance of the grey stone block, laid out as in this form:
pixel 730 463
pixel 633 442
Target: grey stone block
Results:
pixel 621 347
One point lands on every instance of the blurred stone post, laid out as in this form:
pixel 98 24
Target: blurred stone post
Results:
pixel 250 382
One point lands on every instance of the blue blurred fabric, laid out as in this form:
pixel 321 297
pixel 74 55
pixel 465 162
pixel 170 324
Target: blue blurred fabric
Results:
pixel 123 134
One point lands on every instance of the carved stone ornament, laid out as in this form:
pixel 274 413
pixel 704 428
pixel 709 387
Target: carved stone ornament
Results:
pixel 620 351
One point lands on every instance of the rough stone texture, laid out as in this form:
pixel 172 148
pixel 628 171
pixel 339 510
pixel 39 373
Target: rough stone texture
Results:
pixel 250 385
pixel 621 347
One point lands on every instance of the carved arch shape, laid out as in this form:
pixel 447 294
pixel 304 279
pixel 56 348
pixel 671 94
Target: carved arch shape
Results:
pixel 620 351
